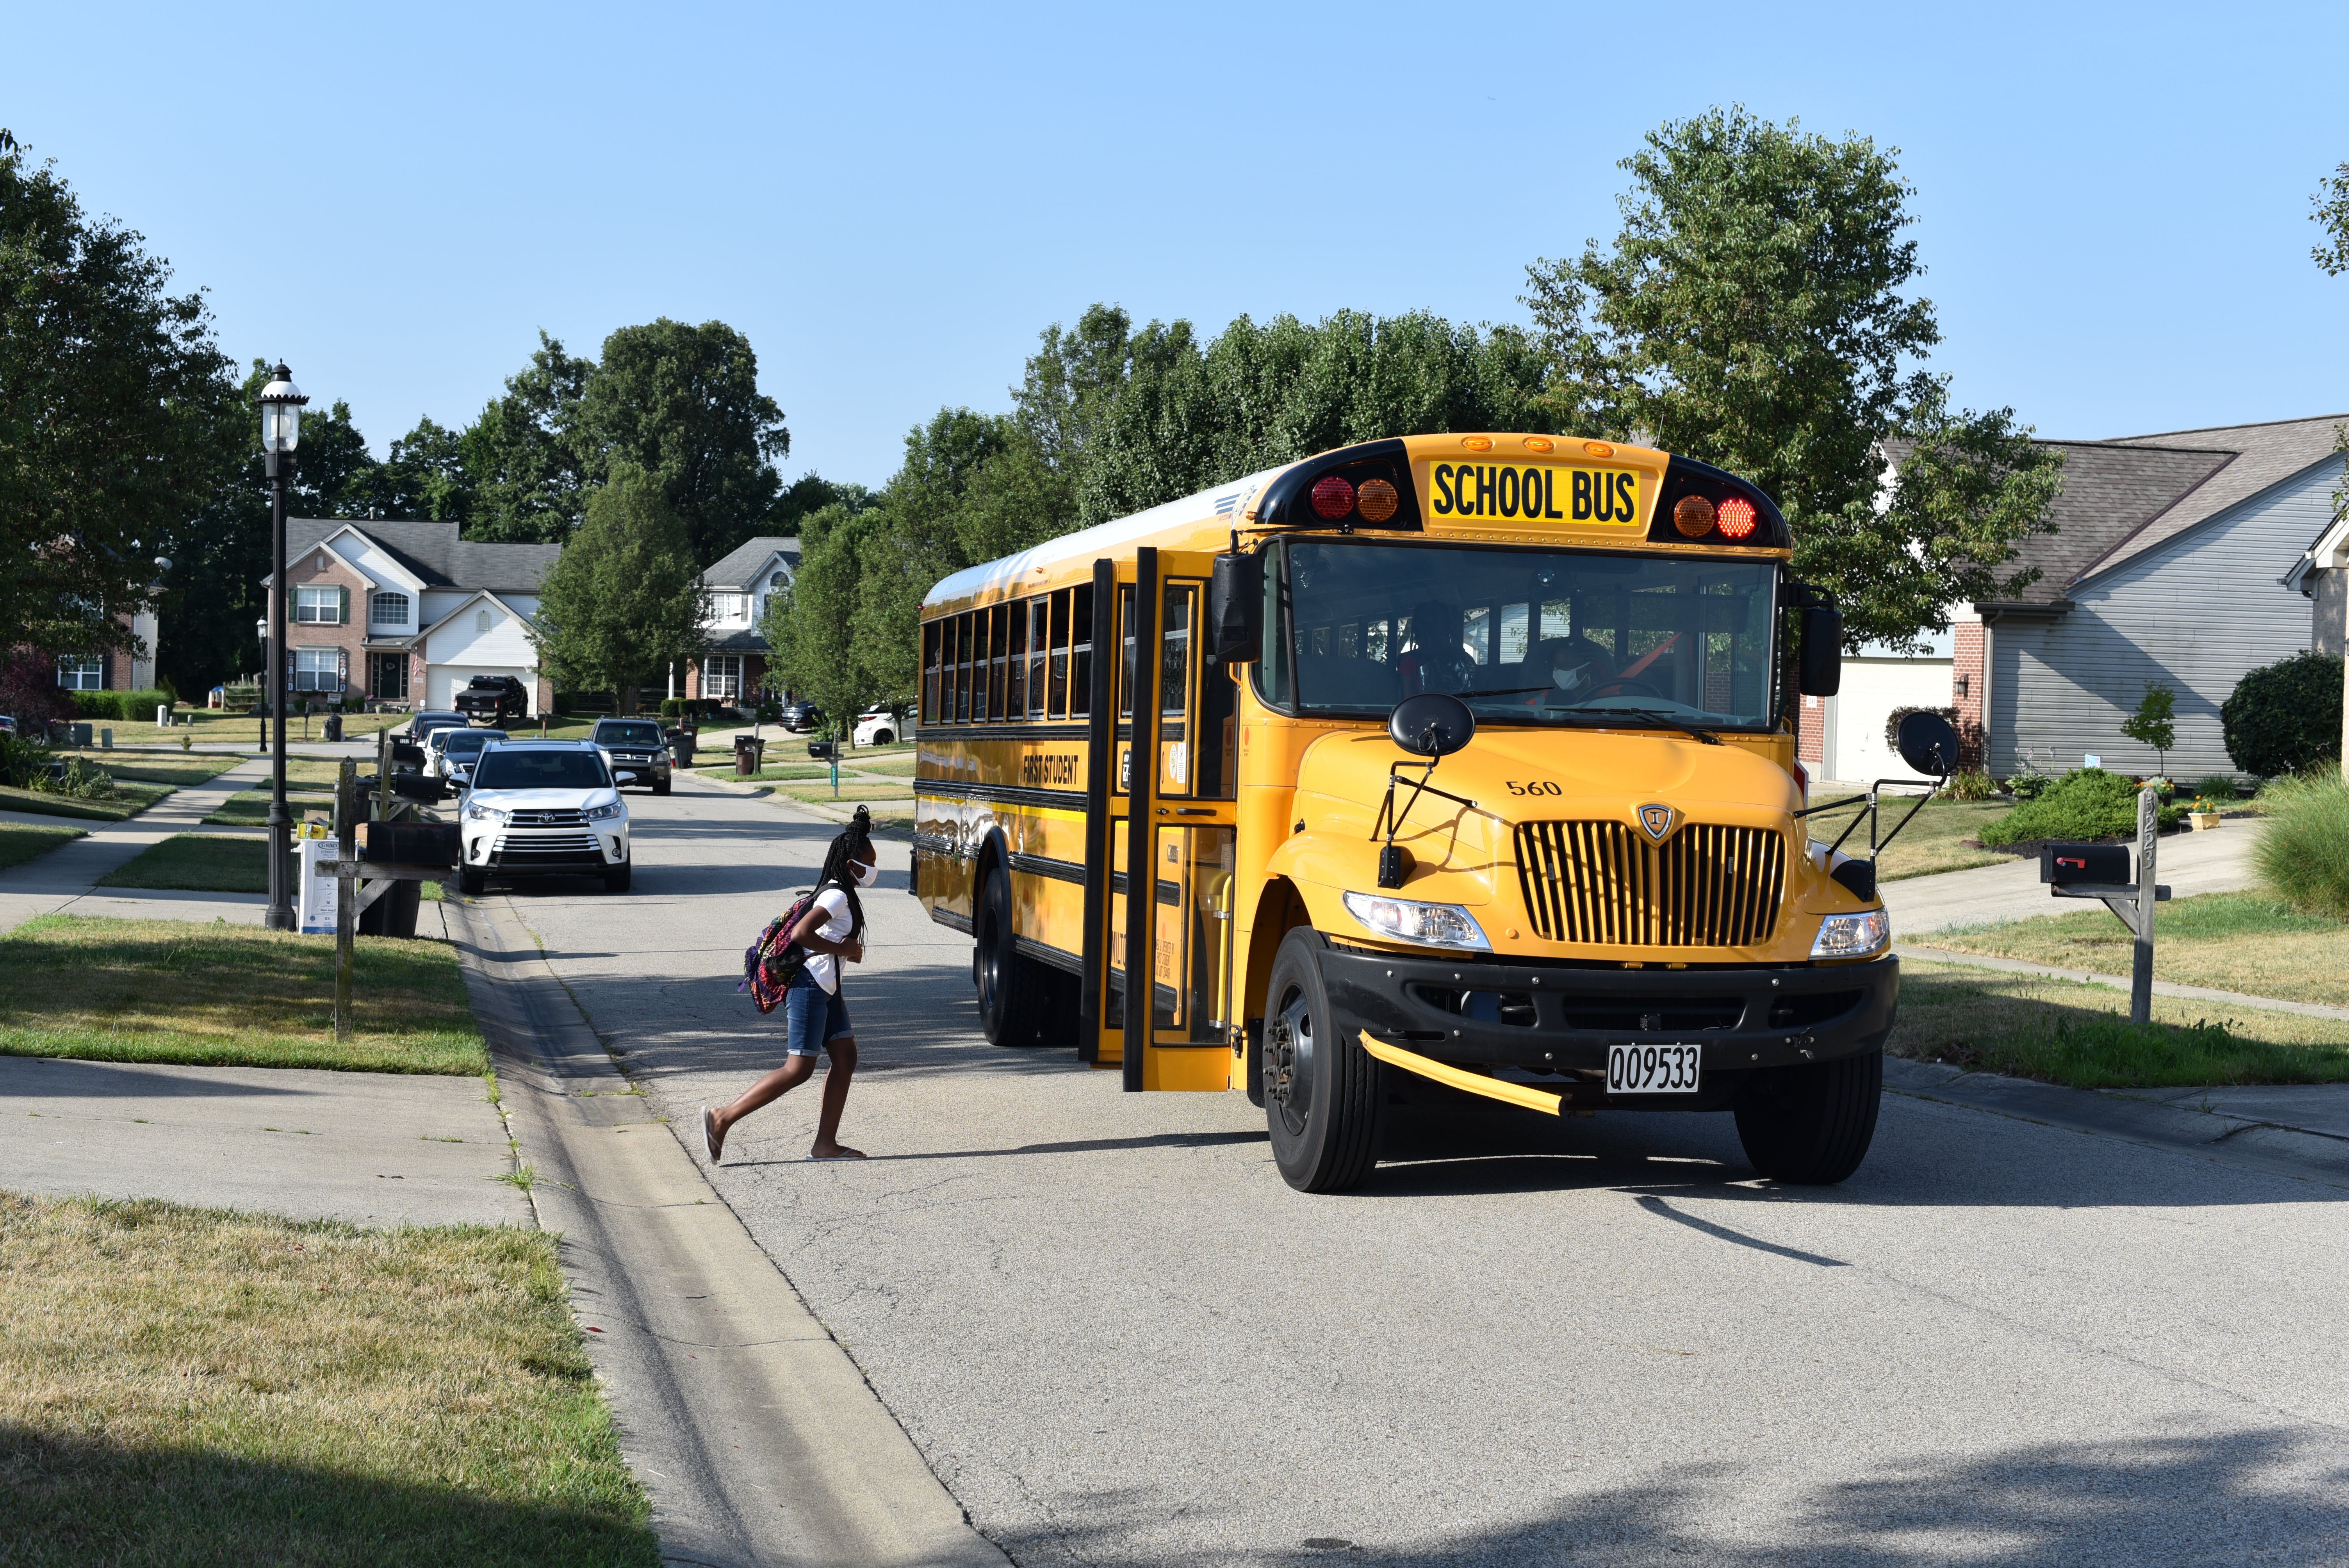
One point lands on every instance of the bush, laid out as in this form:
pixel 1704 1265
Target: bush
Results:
pixel 2303 852
pixel 1970 784
pixel 83 780
pixel 2285 717
pixel 2028 787
pixel 2085 803
pixel 22 760
pixel 2216 787
pixel 120 707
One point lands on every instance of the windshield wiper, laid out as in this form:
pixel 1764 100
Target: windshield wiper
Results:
pixel 1655 713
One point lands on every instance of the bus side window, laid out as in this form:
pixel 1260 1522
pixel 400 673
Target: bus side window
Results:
pixel 1018 703
pixel 962 668
pixel 1125 633
pixel 1174 661
pixel 930 641
pixel 1080 641
pixel 1039 617
pixel 998 635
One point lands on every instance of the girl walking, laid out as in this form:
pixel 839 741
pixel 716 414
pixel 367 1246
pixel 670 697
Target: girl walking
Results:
pixel 815 1012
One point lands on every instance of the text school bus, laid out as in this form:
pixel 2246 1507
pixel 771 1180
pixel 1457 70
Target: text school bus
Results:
pixel 1471 755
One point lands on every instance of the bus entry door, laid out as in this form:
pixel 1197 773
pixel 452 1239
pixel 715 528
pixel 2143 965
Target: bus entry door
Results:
pixel 1182 824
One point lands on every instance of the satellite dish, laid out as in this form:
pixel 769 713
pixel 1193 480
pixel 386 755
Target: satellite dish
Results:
pixel 1433 724
pixel 1929 743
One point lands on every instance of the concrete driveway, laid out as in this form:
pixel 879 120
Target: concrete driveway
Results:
pixel 1119 1338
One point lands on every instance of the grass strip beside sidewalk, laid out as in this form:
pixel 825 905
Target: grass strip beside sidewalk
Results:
pixel 196 862
pixel 249 808
pixel 188 1386
pixel 130 799
pixel 229 995
pixel 2069 1032
pixel 154 767
pixel 22 841
pixel 2250 942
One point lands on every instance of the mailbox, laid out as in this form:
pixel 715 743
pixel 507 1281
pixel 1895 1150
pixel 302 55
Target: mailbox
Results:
pixel 408 844
pixel 2104 865
pixel 824 751
pixel 407 754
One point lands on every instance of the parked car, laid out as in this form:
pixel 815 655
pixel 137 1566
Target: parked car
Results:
pixel 494 699
pixel 801 717
pixel 879 727
pixel 544 808
pixel 455 751
pixel 7 725
pixel 421 726
pixel 636 751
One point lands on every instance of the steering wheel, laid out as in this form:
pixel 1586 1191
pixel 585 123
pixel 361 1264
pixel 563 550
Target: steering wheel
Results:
pixel 1614 687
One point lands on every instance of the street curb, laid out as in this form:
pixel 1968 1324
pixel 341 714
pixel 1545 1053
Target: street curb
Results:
pixel 757 1436
pixel 2209 1134
pixel 2121 982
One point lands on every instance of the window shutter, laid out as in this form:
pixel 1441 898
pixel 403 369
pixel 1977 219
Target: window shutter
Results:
pixel 345 606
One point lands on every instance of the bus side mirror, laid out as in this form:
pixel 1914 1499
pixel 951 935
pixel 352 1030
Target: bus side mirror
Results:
pixel 1820 672
pixel 1235 609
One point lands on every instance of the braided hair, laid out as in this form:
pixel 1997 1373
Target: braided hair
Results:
pixel 851 846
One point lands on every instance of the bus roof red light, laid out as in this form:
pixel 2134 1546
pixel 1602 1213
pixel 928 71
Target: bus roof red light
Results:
pixel 1737 518
pixel 1333 497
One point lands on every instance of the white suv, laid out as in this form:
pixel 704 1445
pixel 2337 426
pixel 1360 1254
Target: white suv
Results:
pixel 878 727
pixel 543 807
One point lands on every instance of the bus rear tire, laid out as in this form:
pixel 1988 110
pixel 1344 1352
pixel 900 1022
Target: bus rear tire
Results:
pixel 1014 993
pixel 1811 1126
pixel 1320 1087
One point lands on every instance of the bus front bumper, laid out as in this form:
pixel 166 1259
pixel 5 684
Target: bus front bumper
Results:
pixel 1546 1019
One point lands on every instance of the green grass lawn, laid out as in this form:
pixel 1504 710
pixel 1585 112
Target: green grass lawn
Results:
pixel 893 766
pixel 249 808
pixel 791 770
pixel 222 994
pixel 1937 841
pixel 214 727
pixel 177 769
pixel 189 1385
pixel 850 791
pixel 21 841
pixel 2246 941
pixel 2066 1032
pixel 129 800
pixel 196 862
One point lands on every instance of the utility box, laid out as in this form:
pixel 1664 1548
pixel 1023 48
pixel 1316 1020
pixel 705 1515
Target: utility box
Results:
pixel 2106 865
pixel 316 895
pixel 408 844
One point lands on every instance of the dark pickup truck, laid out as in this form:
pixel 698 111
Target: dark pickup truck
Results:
pixel 492 699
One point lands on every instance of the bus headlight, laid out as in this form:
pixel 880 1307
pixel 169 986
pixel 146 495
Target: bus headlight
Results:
pixel 1407 920
pixel 1852 935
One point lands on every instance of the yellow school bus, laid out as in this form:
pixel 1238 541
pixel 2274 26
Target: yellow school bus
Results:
pixel 1455 758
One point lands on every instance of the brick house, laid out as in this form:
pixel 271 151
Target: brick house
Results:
pixel 130 670
pixel 734 666
pixel 409 613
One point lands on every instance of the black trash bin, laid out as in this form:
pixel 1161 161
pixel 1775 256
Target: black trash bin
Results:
pixel 748 750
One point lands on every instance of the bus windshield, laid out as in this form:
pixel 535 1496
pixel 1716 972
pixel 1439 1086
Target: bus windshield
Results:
pixel 1523 636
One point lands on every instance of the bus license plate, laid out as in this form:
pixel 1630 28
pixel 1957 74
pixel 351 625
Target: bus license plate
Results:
pixel 1652 1069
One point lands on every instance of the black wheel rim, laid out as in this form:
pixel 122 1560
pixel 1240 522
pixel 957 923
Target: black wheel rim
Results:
pixel 1288 1062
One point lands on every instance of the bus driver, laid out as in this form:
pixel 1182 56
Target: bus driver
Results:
pixel 1437 660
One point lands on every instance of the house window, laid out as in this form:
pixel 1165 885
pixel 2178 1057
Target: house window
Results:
pixel 484 620
pixel 721 676
pixel 82 675
pixel 776 581
pixel 730 606
pixel 388 610
pixel 318 606
pixel 317 669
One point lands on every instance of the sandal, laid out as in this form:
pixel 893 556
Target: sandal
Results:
pixel 710 1134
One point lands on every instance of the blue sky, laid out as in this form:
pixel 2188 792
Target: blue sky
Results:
pixel 891 203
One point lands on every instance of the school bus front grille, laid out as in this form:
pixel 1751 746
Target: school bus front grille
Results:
pixel 1706 886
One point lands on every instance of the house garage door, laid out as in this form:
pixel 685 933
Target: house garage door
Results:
pixel 448 680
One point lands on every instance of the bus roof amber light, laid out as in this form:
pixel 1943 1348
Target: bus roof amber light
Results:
pixel 1737 517
pixel 1538 443
pixel 1598 448
pixel 1377 499
pixel 1477 443
pixel 1693 517
pixel 1333 497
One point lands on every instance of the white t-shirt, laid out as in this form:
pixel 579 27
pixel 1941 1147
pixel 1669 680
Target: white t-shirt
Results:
pixel 821 967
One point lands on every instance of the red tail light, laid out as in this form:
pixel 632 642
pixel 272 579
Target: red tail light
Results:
pixel 1333 497
pixel 1736 518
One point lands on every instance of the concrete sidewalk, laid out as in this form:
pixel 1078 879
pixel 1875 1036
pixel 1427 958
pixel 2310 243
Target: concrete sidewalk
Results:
pixel 67 877
pixel 2188 863
pixel 373 1149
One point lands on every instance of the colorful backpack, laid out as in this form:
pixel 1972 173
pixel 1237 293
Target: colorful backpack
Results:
pixel 771 964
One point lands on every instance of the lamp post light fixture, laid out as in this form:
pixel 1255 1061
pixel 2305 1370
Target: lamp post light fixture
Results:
pixel 281 428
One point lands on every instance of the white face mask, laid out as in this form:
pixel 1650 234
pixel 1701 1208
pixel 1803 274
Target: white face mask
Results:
pixel 1566 680
pixel 865 875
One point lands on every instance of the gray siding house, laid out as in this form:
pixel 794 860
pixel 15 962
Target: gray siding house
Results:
pixel 2180 558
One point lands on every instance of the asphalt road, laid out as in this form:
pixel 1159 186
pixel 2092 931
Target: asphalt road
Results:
pixel 1120 1338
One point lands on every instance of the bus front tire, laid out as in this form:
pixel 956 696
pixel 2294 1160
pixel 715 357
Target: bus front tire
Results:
pixel 1811 1126
pixel 1014 996
pixel 1320 1087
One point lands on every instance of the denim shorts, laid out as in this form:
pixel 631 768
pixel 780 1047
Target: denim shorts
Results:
pixel 813 1018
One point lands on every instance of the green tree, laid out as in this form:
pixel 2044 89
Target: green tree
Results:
pixel 2286 717
pixel 682 404
pixel 624 598
pixel 822 646
pixel 1751 313
pixel 113 401
pixel 425 475
pixel 2332 215
pixel 521 459
pixel 2155 722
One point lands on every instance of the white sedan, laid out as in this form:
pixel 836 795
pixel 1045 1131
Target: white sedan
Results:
pixel 543 807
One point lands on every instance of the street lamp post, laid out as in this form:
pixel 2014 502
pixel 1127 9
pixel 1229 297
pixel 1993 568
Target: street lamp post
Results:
pixel 281 427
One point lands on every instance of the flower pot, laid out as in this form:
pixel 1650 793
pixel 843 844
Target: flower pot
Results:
pixel 2203 820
